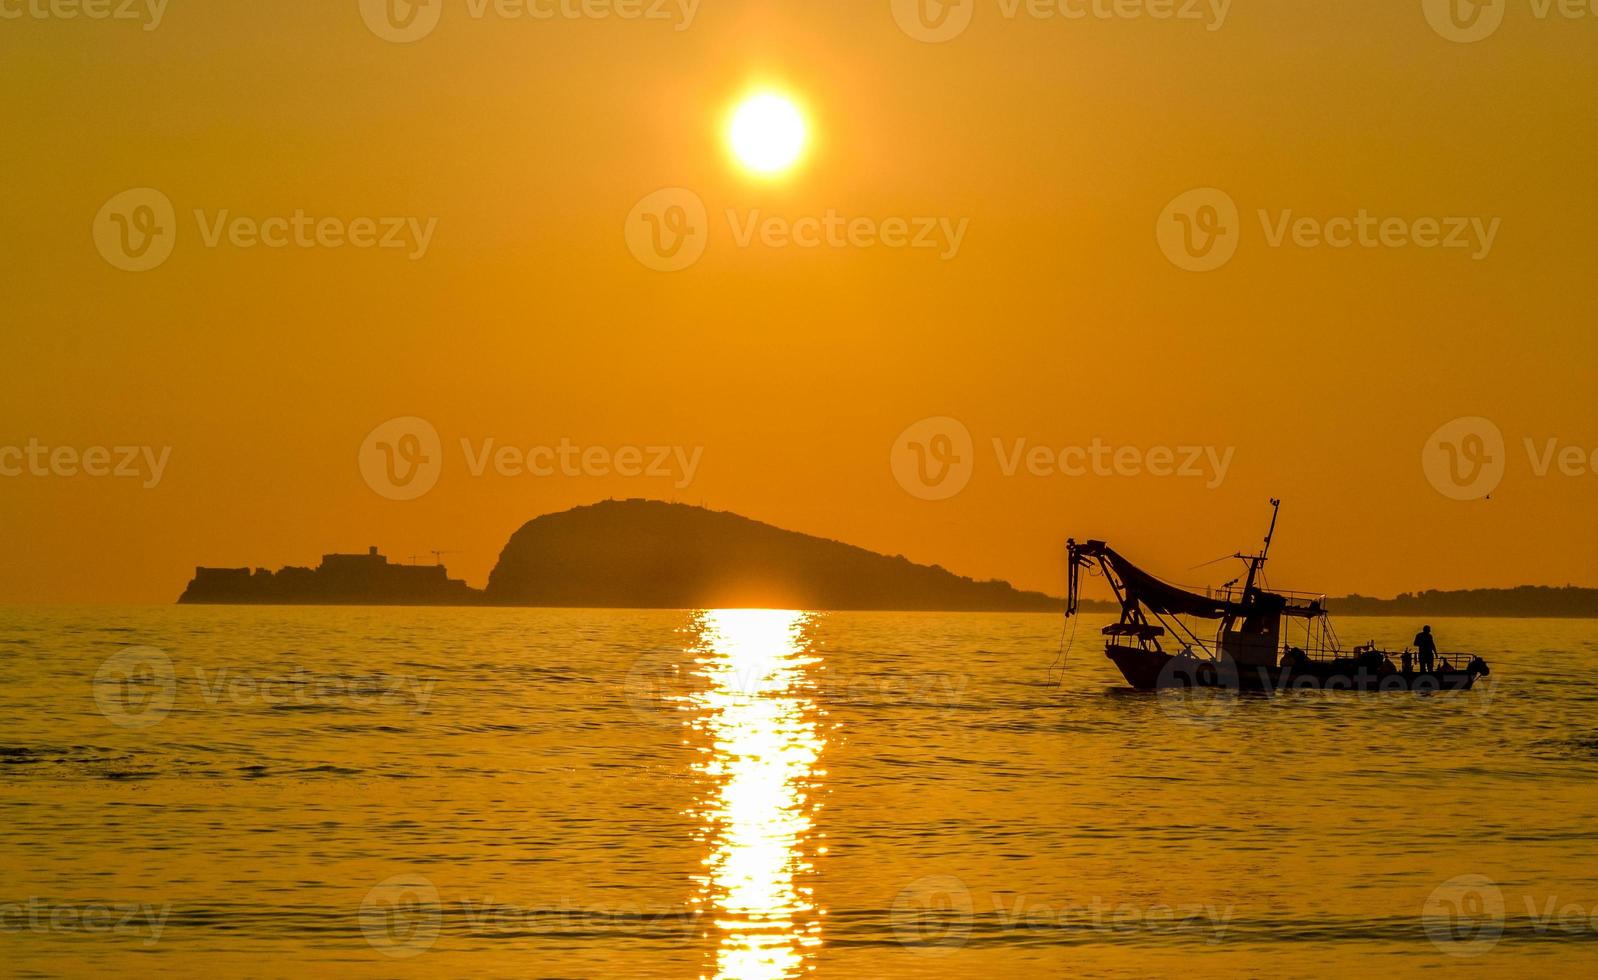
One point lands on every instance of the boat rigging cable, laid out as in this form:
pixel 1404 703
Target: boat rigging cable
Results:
pixel 1063 656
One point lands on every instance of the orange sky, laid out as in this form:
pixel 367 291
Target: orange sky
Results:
pixel 524 144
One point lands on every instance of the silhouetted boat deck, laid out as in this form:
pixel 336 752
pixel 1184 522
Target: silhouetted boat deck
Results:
pixel 1250 650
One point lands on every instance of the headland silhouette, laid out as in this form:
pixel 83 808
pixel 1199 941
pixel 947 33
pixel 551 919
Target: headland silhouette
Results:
pixel 643 554
pixel 652 554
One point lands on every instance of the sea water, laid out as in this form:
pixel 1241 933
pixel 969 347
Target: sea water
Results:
pixel 487 792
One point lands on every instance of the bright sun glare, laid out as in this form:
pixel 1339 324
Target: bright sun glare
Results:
pixel 767 133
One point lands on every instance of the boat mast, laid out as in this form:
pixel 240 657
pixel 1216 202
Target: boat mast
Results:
pixel 1256 561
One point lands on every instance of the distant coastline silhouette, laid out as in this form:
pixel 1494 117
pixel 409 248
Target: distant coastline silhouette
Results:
pixel 652 554
pixel 642 554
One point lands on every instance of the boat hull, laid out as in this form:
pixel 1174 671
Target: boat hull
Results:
pixel 1152 670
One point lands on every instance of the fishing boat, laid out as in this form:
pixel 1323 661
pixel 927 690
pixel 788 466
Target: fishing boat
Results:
pixel 1255 646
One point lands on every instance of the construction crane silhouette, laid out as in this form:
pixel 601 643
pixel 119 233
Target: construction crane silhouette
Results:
pixel 438 556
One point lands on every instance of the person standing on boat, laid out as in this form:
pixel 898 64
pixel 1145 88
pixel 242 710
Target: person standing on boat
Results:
pixel 1427 647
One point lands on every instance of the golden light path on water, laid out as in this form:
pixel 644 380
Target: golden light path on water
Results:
pixel 761 743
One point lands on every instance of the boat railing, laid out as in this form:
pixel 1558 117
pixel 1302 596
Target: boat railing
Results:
pixel 1445 661
pixel 1295 600
pixel 1320 654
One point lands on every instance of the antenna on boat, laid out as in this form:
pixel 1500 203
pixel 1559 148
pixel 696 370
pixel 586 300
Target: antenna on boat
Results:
pixel 1255 561
pixel 1276 508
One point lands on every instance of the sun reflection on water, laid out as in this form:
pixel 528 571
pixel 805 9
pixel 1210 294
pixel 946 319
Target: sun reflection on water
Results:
pixel 761 742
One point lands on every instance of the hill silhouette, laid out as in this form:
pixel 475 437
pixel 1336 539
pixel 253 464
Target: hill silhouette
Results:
pixel 652 554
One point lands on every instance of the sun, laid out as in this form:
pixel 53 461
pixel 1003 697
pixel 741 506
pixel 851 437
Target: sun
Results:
pixel 767 133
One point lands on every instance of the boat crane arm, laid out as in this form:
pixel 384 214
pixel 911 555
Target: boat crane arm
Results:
pixel 1137 590
pixel 1078 557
